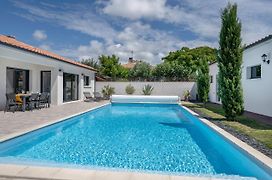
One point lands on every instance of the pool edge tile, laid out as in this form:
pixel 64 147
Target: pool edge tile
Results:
pixel 260 157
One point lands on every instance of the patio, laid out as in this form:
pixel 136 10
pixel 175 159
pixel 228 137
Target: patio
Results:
pixel 17 122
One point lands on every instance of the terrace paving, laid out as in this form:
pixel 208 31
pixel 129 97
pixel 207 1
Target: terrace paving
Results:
pixel 11 123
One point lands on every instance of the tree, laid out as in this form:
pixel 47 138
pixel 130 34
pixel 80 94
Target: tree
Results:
pixel 109 66
pixel 229 62
pixel 90 62
pixel 141 71
pixel 183 63
pixel 203 84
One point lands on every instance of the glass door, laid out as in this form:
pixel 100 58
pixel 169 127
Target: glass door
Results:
pixel 45 81
pixel 70 87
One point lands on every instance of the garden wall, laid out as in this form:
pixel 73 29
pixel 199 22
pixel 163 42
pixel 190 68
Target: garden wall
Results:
pixel 160 88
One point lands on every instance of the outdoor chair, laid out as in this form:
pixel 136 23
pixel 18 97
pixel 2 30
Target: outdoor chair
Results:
pixel 44 100
pixel 11 102
pixel 88 96
pixel 97 96
pixel 33 101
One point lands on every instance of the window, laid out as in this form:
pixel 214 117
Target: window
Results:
pixel 255 72
pixel 86 80
pixel 17 80
pixel 211 79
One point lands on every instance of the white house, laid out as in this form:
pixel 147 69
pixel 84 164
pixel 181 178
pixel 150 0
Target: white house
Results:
pixel 24 68
pixel 256 77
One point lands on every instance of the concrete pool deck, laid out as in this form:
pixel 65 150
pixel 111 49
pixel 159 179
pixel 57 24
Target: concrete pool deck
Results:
pixel 15 124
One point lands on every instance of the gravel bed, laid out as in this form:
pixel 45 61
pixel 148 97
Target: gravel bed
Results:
pixel 243 137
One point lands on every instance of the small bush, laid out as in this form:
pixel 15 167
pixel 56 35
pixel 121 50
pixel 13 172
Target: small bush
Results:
pixel 130 89
pixel 186 95
pixel 107 91
pixel 147 89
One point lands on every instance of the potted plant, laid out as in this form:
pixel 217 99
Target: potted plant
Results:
pixel 130 89
pixel 107 91
pixel 186 95
pixel 147 89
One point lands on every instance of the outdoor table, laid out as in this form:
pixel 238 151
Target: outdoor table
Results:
pixel 23 97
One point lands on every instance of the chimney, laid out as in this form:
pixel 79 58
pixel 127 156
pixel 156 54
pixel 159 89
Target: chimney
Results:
pixel 11 36
pixel 130 60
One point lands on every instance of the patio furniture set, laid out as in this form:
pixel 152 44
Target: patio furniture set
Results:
pixel 27 101
pixel 96 96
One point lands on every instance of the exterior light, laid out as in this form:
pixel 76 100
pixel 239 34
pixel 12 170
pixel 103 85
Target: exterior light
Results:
pixel 264 58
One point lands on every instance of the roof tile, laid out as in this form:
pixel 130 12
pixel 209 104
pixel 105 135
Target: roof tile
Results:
pixel 11 41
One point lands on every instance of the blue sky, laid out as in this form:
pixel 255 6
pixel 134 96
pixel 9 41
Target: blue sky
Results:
pixel 151 28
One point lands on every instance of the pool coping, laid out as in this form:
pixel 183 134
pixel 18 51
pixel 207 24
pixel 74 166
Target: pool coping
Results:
pixel 46 172
pixel 257 155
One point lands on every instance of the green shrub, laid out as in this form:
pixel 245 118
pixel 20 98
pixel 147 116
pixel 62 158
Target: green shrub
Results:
pixel 130 89
pixel 186 95
pixel 147 89
pixel 203 83
pixel 230 62
pixel 107 91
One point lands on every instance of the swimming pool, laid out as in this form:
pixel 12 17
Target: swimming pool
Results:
pixel 140 137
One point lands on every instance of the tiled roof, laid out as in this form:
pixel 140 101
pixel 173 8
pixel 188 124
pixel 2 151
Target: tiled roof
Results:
pixel 129 65
pixel 11 41
pixel 259 41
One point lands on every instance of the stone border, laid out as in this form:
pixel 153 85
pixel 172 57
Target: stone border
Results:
pixel 58 173
pixel 257 155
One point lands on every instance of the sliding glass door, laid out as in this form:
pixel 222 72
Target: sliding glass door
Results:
pixel 70 87
pixel 17 80
pixel 46 81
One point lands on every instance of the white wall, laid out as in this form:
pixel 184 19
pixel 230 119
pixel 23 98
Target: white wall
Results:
pixel 213 71
pixel 16 58
pixel 160 88
pixel 258 92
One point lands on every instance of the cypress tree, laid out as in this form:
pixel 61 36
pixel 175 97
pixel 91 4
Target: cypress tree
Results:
pixel 229 62
pixel 203 84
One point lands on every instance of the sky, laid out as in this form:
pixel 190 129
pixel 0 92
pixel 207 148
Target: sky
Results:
pixel 80 29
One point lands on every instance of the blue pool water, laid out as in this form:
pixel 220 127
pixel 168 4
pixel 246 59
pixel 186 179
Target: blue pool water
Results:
pixel 145 137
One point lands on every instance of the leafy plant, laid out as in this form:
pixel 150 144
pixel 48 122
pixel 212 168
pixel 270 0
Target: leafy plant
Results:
pixel 107 91
pixel 130 89
pixel 141 71
pixel 229 63
pixel 147 89
pixel 186 95
pixel 203 84
pixel 91 62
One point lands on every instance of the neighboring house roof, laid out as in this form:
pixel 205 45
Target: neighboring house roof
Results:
pixel 99 78
pixel 11 41
pixel 259 41
pixel 129 65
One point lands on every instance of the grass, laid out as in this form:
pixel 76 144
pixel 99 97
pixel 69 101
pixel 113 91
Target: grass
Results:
pixel 255 129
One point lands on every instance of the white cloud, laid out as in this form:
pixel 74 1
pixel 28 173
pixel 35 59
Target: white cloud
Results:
pixel 198 16
pixel 73 17
pixel 134 31
pixel 136 9
pixel 39 35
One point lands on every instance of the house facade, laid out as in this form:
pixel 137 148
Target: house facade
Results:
pixel 256 77
pixel 24 68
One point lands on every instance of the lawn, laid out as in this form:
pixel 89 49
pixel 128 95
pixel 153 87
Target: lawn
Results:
pixel 257 130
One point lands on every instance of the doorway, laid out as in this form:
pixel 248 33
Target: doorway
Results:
pixel 70 87
pixel 46 81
